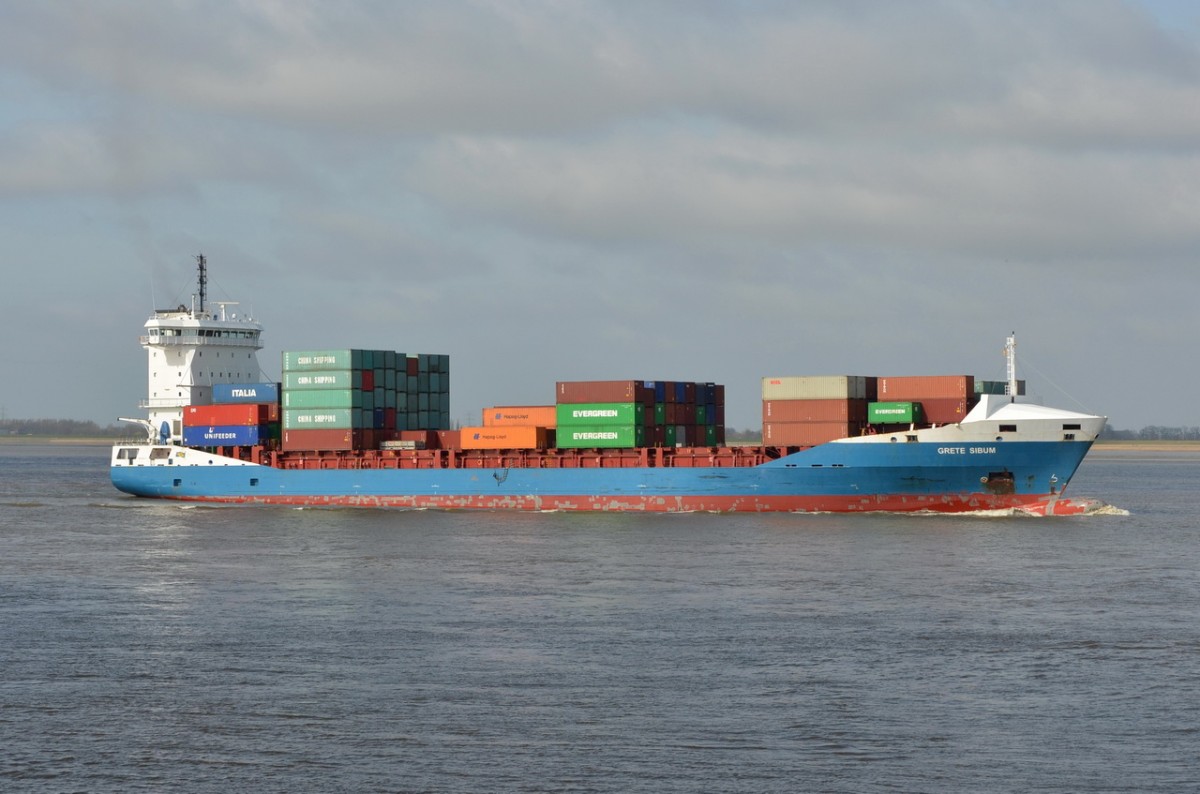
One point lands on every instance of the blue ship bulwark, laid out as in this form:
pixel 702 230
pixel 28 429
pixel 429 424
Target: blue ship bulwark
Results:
pixel 834 477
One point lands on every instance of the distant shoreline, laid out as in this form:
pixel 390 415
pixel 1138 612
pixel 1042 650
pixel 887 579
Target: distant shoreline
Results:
pixel 82 441
pixel 1148 446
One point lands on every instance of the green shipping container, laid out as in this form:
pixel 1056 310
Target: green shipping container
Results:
pixel 323 379
pixel 893 413
pixel 608 436
pixel 297 360
pixel 323 398
pixel 600 414
pixel 997 387
pixel 321 418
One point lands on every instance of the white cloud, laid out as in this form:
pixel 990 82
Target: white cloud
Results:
pixel 957 162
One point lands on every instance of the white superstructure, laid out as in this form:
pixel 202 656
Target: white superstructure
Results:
pixel 190 348
pixel 1001 418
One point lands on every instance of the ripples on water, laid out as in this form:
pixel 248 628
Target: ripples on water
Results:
pixel 149 647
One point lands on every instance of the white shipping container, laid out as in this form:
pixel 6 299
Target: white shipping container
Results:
pixel 815 387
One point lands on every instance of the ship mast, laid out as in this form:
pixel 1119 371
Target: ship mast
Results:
pixel 202 266
pixel 1010 356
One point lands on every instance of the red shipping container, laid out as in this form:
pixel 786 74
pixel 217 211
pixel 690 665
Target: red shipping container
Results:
pixel 425 439
pixel 944 411
pixel 368 380
pixel 449 439
pixel 807 434
pixel 918 388
pixel 321 440
pixel 852 410
pixel 240 414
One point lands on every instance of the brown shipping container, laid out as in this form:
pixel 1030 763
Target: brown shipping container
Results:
pixel 944 411
pixel 814 410
pixel 515 437
pixel 306 440
pixel 919 388
pixel 603 391
pixel 520 415
pixel 449 439
pixel 807 434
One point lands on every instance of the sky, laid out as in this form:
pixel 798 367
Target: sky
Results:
pixel 544 191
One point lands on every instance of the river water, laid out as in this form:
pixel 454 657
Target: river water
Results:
pixel 148 646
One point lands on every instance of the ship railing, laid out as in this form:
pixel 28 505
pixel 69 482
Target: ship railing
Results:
pixel 192 340
pixel 163 402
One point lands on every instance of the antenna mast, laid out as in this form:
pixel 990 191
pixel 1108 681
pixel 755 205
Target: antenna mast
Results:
pixel 1010 355
pixel 202 266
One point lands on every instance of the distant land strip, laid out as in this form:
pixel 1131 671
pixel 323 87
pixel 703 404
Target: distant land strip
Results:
pixel 1133 445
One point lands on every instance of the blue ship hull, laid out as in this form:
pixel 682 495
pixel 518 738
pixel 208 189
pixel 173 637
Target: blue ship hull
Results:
pixel 836 477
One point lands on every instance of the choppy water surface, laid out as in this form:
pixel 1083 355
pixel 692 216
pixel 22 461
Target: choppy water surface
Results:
pixel 151 647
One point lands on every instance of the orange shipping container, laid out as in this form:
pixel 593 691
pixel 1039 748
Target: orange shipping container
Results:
pixel 520 437
pixel 520 416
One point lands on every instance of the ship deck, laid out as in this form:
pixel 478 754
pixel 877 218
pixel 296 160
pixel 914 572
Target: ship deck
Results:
pixel 641 457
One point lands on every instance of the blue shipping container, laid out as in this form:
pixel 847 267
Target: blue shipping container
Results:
pixel 226 393
pixel 223 436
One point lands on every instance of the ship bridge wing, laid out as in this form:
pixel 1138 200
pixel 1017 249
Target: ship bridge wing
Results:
pixel 999 407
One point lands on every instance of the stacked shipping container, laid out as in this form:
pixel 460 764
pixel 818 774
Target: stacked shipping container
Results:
pixel 804 411
pixel 356 398
pixel 620 414
pixel 512 427
pixel 236 417
pixel 944 399
pixel 630 413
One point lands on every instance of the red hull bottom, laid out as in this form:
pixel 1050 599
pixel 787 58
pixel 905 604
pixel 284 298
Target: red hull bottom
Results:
pixel 1043 505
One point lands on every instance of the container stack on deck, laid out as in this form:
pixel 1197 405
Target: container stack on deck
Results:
pixel 630 413
pixel 944 399
pixel 615 414
pixel 239 415
pixel 356 399
pixel 803 411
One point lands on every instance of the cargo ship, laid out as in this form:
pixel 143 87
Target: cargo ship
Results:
pixel 371 428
